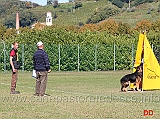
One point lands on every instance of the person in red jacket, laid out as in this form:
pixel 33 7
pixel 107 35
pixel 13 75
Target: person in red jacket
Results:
pixel 14 64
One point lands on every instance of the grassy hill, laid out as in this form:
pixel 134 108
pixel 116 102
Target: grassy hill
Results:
pixel 88 8
pixel 140 13
pixel 75 16
pixel 66 15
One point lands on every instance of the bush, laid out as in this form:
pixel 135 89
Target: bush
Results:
pixel 77 5
pixel 118 3
pixel 69 10
pixel 81 24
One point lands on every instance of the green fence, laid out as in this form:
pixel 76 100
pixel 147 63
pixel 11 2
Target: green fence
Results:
pixel 93 57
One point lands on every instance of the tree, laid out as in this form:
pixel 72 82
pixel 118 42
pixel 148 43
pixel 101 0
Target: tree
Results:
pixel 39 26
pixel 10 21
pixel 55 4
pixel 27 18
pixel 10 33
pixel 118 3
pixel 88 27
pixel 29 5
pixel 143 25
pixel 55 16
pixel 156 26
pixel 108 25
pixel 78 4
pixel 49 2
pixel 2 31
pixel 124 28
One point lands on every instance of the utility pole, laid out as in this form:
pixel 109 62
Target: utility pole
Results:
pixel 129 4
pixel 73 5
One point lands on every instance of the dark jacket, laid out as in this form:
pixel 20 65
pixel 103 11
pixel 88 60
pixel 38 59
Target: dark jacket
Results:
pixel 15 61
pixel 41 61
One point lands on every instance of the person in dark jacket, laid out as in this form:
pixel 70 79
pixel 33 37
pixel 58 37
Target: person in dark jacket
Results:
pixel 14 64
pixel 42 66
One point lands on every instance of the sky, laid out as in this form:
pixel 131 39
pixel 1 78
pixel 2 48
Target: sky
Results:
pixel 44 2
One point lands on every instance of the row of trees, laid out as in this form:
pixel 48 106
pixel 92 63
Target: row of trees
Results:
pixel 95 49
pixel 105 32
pixel 91 56
pixel 74 57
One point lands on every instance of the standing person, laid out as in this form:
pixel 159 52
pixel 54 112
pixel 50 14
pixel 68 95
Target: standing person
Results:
pixel 14 64
pixel 42 67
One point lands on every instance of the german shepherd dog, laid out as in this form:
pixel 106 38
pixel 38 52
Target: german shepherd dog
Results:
pixel 135 78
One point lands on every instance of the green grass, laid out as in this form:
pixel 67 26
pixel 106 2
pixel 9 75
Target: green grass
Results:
pixel 76 95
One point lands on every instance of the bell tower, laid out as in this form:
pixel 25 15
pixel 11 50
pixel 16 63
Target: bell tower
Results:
pixel 49 19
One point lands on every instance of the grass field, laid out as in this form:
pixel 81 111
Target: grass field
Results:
pixel 76 95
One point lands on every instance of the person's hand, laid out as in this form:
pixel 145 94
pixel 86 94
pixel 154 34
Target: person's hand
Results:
pixel 49 71
pixel 14 70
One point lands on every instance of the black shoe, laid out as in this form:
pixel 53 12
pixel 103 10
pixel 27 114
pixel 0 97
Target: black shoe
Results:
pixel 15 92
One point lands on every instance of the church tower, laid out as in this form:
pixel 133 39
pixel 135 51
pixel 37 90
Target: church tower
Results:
pixel 49 19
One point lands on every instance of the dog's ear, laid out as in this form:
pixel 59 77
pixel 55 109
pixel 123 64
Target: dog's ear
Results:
pixel 141 65
pixel 137 68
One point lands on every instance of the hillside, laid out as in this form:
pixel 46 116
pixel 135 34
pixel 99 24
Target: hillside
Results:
pixel 146 11
pixel 141 12
pixel 75 16
pixel 64 14
pixel 8 9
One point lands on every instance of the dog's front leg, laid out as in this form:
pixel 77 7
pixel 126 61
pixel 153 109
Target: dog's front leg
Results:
pixel 134 87
pixel 138 80
pixel 129 83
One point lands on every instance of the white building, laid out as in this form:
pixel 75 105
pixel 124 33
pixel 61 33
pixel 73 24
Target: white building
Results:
pixel 47 23
pixel 49 19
